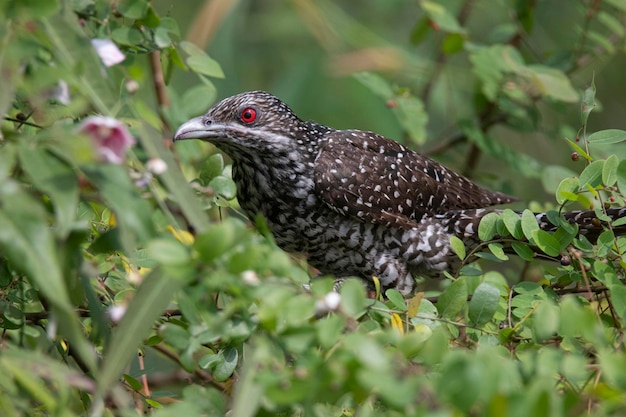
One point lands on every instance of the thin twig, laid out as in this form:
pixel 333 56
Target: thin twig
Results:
pixel 22 122
pixel 158 81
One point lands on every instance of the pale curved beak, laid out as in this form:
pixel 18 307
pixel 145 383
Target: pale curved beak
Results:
pixel 195 128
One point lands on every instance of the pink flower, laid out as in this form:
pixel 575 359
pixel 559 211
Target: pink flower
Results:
pixel 109 136
pixel 108 52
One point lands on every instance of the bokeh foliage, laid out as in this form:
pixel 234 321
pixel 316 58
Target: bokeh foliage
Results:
pixel 126 289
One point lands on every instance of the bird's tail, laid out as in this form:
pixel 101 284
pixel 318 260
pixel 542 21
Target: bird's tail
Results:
pixel 589 224
pixel 464 223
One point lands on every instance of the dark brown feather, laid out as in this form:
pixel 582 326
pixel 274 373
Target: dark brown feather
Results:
pixel 378 180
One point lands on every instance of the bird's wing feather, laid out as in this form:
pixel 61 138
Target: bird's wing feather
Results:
pixel 378 180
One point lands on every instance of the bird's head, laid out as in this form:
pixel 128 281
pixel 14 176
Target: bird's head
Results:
pixel 254 121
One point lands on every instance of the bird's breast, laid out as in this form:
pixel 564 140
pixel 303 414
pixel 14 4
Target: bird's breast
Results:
pixel 280 197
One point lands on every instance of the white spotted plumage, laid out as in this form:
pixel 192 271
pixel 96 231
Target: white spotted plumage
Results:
pixel 354 202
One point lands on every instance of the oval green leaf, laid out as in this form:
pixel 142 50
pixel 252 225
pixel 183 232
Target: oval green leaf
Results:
pixel 609 171
pixel 458 247
pixel 607 136
pixel 567 190
pixel 592 174
pixel 453 299
pixel 484 304
pixel 546 242
pixel 487 227
pixel 529 224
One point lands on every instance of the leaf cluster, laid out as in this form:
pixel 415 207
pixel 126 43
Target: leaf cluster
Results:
pixel 127 290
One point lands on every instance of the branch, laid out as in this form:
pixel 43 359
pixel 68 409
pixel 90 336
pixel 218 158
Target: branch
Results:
pixel 158 80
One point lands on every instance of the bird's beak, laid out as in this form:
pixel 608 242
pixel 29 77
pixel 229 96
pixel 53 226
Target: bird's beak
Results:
pixel 195 128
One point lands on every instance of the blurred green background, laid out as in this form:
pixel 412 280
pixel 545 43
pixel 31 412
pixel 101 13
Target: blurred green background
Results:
pixel 305 52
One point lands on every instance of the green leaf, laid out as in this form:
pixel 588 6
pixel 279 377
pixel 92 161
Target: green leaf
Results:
pixel 127 36
pixel 212 167
pixel 55 178
pixel 602 41
pixel 412 116
pixel 453 43
pixel 618 4
pixel 329 330
pixel 162 38
pixel 605 242
pixel 502 33
pixel 501 229
pixel 200 62
pixel 225 187
pixel 152 297
pixel 133 9
pixel 458 247
pixel 497 250
pixel 575 319
pixel 608 136
pixel 619 222
pixel 426 315
pixel 529 224
pixel 483 304
pixel 218 239
pixel 168 251
pixel 513 223
pixel 611 22
pixel 453 299
pixel 567 190
pixel 488 256
pixel 592 174
pixel 546 242
pixel 487 227
pixel 609 171
pixel 492 64
pixel 420 30
pixel 579 150
pixel 545 321
pixel 553 83
pixel 611 365
pixel 226 364
pixel 621 177
pixel 134 384
pixel 396 299
pixel 375 83
pixel 523 251
pixel 353 298
pixel 618 298
pixel 441 16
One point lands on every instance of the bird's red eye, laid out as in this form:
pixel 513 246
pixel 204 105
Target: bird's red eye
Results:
pixel 248 115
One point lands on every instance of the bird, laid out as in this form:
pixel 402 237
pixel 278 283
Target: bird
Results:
pixel 355 203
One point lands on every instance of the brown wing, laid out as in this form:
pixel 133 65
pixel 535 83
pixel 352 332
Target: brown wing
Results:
pixel 373 178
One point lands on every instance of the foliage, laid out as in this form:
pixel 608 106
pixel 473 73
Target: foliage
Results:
pixel 124 279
